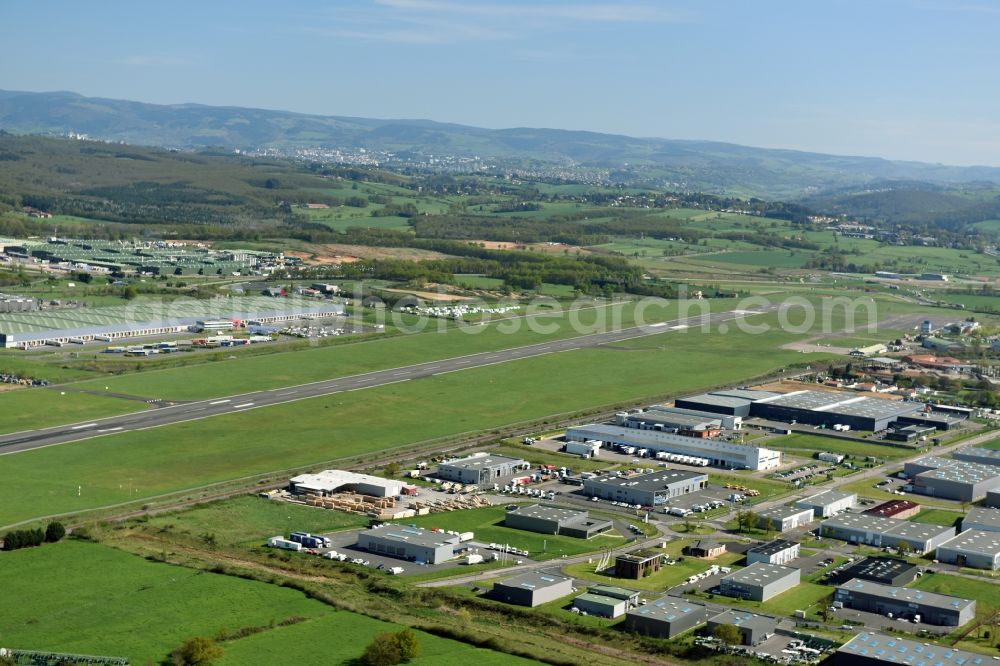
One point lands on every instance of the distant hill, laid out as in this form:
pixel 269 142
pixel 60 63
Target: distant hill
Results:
pixel 920 204
pixel 696 165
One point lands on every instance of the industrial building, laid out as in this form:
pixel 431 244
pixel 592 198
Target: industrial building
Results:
pixel 933 608
pixel 333 481
pixel 785 518
pixel 481 468
pixel 982 518
pixel 753 628
pixel 898 509
pixel 666 617
pixel 860 528
pixel 684 424
pixel 759 582
pixel 820 408
pixel 978 549
pixel 589 449
pixel 908 433
pixel 735 402
pixel 992 499
pixel 409 543
pixel 638 564
pixel 874 649
pixel 978 454
pixel 828 408
pixel 728 422
pixel 552 520
pixel 606 601
pixel 719 453
pixel 652 489
pixel 533 589
pixel 882 570
pixel 57 327
pixel 778 551
pixel 828 503
pixel 949 478
pixel 10 303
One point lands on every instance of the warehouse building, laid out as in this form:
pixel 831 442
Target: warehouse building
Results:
pixel 952 479
pixel 937 609
pixel 982 518
pixel 728 422
pixel 606 601
pixel 638 564
pixel 860 528
pixel 898 509
pixel 753 628
pixel 666 617
pixel 652 489
pixel 874 649
pixel 828 503
pixel 978 454
pixel 10 303
pixel 333 481
pixel 908 433
pixel 759 582
pixel 719 453
pixel 882 570
pixel 23 330
pixel 733 402
pixel 409 543
pixel 828 408
pixel 820 408
pixel 588 449
pixel 553 520
pixel 785 518
pixel 778 551
pixel 481 469
pixel 533 589
pixel 978 549
pixel 684 424
pixel 992 499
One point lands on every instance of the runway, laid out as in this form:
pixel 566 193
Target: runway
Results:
pixel 202 409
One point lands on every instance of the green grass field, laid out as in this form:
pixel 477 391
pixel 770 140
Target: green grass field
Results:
pixel 937 517
pixel 87 598
pixel 805 444
pixel 487 524
pixel 222 448
pixel 810 597
pixel 91 599
pixel 664 579
pixel 249 520
pixel 340 638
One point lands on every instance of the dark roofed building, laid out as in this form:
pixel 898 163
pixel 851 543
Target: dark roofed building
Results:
pixel 882 570
pixel 638 564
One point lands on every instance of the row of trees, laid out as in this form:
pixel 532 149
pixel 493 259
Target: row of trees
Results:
pixel 17 539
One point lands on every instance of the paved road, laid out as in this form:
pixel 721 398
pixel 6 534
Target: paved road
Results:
pixel 189 411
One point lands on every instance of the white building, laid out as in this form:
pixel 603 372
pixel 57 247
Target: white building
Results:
pixel 719 453
pixel 829 502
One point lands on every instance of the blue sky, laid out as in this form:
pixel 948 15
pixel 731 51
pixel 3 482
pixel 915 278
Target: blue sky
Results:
pixel 904 79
